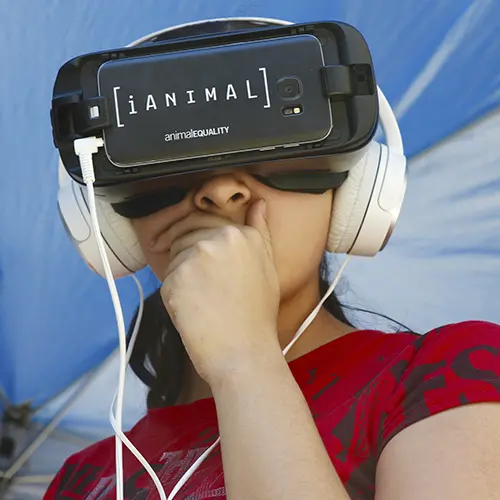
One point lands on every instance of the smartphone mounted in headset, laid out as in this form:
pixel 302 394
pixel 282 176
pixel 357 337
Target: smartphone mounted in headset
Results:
pixel 219 100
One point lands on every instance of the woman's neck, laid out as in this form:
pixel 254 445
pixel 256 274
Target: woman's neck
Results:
pixel 324 329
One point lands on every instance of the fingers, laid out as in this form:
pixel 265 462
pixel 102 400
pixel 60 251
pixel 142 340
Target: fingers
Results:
pixel 189 232
pixel 190 239
pixel 181 257
pixel 256 218
pixel 193 222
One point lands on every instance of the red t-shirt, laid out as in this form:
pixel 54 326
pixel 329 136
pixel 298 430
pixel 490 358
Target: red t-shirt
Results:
pixel 362 389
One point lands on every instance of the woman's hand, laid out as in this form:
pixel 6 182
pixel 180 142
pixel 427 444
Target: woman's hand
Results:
pixel 222 291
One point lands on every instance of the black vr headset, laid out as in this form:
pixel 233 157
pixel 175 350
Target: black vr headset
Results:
pixel 201 102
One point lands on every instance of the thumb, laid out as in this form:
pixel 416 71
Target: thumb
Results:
pixel 256 218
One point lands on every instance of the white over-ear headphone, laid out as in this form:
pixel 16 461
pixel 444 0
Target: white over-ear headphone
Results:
pixel 365 208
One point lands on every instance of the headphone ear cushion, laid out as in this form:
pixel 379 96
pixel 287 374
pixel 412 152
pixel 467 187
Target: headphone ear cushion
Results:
pixel 351 201
pixel 121 238
pixel 124 252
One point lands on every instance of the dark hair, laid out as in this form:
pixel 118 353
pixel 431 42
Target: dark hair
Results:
pixel 159 357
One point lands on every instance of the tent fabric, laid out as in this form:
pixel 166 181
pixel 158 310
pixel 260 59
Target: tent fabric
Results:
pixel 437 63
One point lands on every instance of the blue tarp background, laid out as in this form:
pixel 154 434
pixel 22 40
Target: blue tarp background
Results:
pixel 437 62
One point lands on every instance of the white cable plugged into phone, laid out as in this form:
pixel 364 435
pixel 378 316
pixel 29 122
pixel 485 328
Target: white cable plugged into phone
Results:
pixel 85 148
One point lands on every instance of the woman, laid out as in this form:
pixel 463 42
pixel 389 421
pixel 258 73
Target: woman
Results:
pixel 348 413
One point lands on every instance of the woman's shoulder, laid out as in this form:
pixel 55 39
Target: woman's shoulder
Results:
pixel 377 353
pixel 89 464
pixel 445 342
pixel 446 366
pixel 457 339
pixel 449 366
pixel 78 466
pixel 466 327
pixel 448 355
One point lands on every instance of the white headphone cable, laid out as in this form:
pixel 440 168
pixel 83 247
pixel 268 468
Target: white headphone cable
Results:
pixel 300 331
pixel 85 148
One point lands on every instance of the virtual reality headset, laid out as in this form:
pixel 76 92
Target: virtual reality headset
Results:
pixel 279 100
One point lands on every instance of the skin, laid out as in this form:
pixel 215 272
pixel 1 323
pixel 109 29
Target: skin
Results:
pixel 239 277
pixel 291 217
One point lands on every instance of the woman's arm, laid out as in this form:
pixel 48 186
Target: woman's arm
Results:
pixel 271 449
pixel 454 454
pixel 222 292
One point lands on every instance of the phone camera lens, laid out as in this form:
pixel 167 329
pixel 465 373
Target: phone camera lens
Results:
pixel 289 88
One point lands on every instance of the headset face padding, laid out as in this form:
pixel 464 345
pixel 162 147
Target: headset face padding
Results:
pixel 365 210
